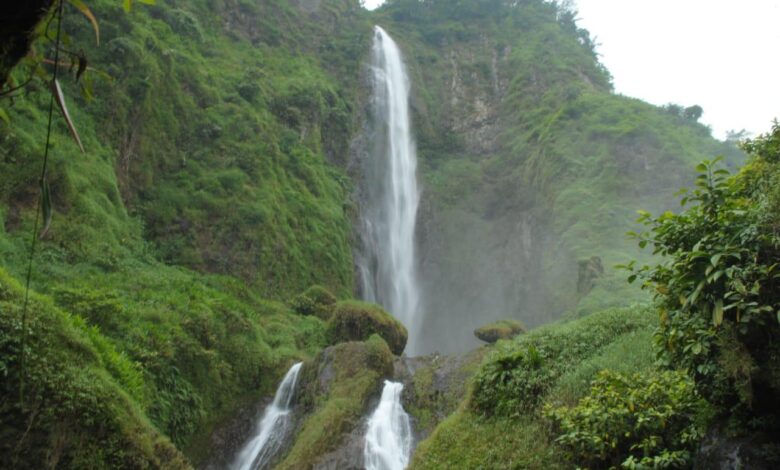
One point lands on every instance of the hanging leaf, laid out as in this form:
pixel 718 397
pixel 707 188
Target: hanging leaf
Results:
pixel 127 5
pixel 64 109
pixel 4 117
pixel 79 4
pixel 45 207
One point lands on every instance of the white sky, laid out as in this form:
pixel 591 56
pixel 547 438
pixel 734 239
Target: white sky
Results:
pixel 723 55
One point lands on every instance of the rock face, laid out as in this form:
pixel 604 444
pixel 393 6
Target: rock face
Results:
pixel 357 321
pixel 719 451
pixel 502 329
pixel 227 440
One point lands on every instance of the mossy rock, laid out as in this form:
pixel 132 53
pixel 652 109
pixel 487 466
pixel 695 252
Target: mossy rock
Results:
pixel 316 300
pixel 357 321
pixel 337 388
pixel 502 329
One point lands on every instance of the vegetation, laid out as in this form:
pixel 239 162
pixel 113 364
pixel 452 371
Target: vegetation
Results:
pixel 336 403
pixel 317 301
pixel 215 183
pixel 516 377
pixel 526 152
pixel 632 421
pixel 500 421
pixel 716 288
pixel 357 321
pixel 81 405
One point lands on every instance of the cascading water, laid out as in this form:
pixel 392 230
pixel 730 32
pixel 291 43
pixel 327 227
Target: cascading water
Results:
pixel 389 437
pixel 272 429
pixel 388 264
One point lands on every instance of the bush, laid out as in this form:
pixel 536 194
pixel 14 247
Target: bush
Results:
pixel 639 421
pixel 316 300
pixel 357 321
pixel 514 378
pixel 716 288
pixel 502 329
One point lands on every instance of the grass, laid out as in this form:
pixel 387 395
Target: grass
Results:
pixel 499 424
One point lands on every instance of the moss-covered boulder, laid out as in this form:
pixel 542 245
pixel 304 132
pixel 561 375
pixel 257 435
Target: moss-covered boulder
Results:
pixel 502 329
pixel 357 321
pixel 336 390
pixel 316 300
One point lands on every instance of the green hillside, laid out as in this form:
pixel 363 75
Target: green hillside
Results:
pixel 221 178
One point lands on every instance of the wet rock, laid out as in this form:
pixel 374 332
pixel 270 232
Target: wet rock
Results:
pixel 721 451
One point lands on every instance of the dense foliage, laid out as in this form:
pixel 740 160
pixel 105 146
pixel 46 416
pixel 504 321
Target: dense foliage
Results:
pixel 631 421
pixel 717 286
pixel 516 377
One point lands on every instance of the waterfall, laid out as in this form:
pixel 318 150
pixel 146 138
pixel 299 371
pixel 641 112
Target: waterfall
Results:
pixel 389 437
pixel 272 428
pixel 388 265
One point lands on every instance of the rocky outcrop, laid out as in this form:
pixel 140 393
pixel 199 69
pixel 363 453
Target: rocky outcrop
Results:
pixel 502 329
pixel 357 321
pixel 721 451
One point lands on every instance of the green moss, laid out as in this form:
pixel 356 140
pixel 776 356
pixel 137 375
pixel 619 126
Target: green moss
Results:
pixel 317 301
pixel 502 329
pixel 75 412
pixel 357 321
pixel 354 374
pixel 466 440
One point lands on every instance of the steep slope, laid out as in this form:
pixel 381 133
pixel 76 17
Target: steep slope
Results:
pixel 213 180
pixel 532 168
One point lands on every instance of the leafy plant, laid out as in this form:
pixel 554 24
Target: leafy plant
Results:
pixel 716 287
pixel 640 421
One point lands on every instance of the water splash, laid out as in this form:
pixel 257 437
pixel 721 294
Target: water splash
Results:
pixel 272 428
pixel 388 268
pixel 389 437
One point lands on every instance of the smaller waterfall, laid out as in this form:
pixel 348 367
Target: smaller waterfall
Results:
pixel 271 430
pixel 389 436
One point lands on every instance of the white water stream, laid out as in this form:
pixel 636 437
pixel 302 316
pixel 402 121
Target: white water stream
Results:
pixel 388 269
pixel 389 437
pixel 272 428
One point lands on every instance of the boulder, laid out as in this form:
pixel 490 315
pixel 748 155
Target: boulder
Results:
pixel 502 329
pixel 357 321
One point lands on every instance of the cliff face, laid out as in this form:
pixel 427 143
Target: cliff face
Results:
pixel 223 144
pixel 529 164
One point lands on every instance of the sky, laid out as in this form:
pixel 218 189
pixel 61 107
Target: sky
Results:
pixel 722 55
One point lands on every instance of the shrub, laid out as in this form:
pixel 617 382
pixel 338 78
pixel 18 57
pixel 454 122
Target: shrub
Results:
pixel 716 288
pixel 515 377
pixel 502 329
pixel 316 300
pixel 357 321
pixel 640 421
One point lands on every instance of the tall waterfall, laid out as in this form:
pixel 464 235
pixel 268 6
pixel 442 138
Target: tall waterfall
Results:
pixel 389 436
pixel 388 265
pixel 272 429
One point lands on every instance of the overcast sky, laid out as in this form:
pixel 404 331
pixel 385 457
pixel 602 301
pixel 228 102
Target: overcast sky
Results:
pixel 719 54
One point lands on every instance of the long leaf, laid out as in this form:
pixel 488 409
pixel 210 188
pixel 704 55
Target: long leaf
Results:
pixel 46 207
pixel 84 9
pixel 717 313
pixel 64 110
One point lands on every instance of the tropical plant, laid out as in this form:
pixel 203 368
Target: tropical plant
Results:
pixel 716 287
